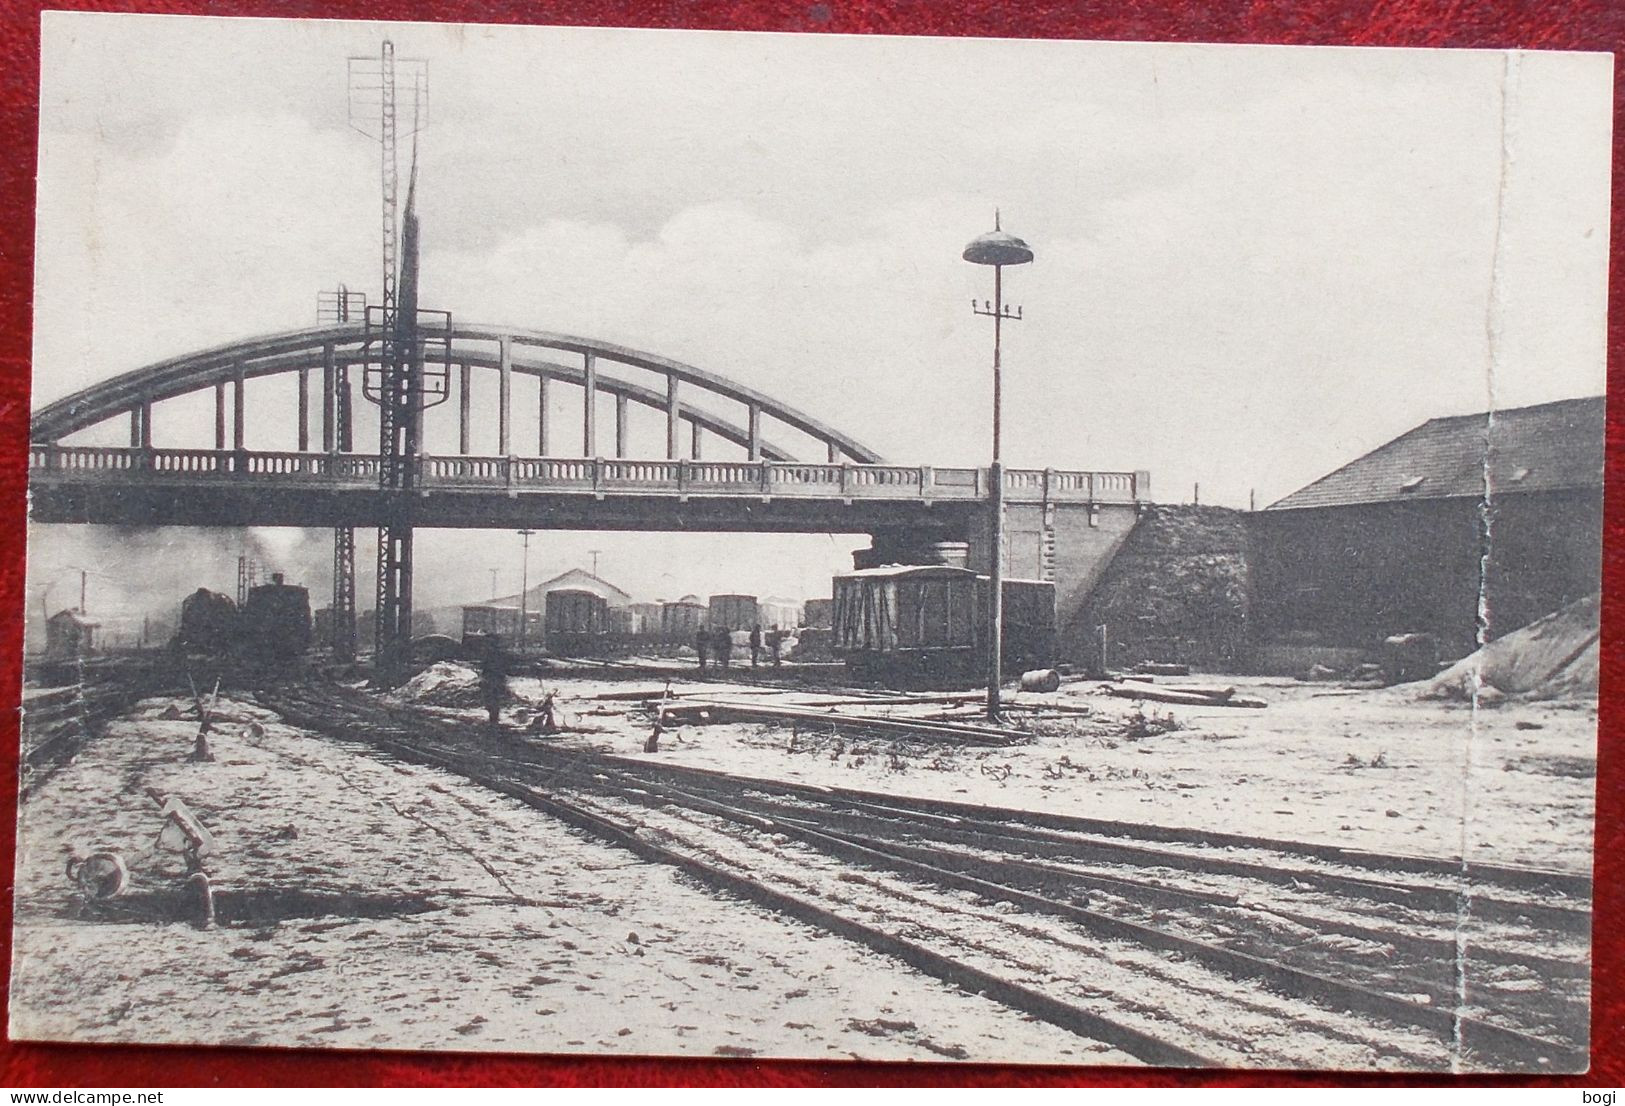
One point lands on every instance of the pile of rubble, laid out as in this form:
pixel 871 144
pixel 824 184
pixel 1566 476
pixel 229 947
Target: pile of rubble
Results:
pixel 1554 657
pixel 444 684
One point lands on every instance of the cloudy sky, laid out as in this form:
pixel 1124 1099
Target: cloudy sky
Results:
pixel 1253 263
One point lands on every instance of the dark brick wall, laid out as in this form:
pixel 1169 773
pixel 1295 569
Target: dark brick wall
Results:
pixel 1179 589
pixel 1350 576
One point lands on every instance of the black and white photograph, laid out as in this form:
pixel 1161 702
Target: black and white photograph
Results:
pixel 609 542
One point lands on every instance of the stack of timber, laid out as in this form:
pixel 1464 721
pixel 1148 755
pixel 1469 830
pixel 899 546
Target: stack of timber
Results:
pixel 1197 695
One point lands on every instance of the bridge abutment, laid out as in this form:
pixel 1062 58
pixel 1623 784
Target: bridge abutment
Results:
pixel 1068 544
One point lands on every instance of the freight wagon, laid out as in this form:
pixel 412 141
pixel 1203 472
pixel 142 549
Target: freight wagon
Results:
pixel 733 612
pixel 577 621
pixel 914 621
pixel 681 619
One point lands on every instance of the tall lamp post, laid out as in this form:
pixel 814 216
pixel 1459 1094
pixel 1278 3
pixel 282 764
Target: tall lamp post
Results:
pixel 997 248
pixel 524 587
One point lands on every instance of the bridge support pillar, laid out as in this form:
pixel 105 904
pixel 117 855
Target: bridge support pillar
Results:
pixel 589 407
pixel 464 381
pixel 329 395
pixel 304 410
pixel 220 416
pixel 505 397
pixel 345 411
pixel 672 410
pixel 620 425
pixel 755 432
pixel 694 440
pixel 238 426
pixel 911 547
pixel 541 416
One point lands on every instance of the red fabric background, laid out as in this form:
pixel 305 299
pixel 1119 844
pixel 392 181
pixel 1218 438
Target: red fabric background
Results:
pixel 1552 24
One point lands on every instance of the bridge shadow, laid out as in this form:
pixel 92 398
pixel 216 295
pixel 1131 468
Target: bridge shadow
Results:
pixel 257 907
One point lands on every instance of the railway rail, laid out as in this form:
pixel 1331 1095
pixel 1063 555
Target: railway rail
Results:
pixel 58 721
pixel 1355 949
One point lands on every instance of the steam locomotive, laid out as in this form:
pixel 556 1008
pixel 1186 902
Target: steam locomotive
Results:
pixel 273 625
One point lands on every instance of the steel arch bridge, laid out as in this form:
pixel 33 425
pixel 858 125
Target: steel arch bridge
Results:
pixel 1063 525
pixel 333 352
pixel 567 482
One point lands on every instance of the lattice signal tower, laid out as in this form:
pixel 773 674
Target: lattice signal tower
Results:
pixel 393 374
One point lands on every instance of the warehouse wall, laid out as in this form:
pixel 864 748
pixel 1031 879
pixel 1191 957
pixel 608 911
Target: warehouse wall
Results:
pixel 1347 577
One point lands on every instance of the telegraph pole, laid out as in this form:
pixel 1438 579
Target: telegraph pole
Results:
pixel 998 249
pixel 524 587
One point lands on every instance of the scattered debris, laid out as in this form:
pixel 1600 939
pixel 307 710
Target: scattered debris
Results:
pixel 1153 668
pixel 200 899
pixel 200 749
pixel 1579 768
pixel 101 875
pixel 1140 725
pixel 182 832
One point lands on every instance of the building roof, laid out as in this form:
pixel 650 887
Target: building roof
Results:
pixel 577 579
pixel 1547 447
pixel 69 614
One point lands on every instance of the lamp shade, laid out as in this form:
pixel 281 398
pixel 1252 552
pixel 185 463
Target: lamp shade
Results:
pixel 998 247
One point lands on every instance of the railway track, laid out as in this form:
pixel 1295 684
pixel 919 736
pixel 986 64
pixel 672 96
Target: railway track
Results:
pixel 57 723
pixel 1168 936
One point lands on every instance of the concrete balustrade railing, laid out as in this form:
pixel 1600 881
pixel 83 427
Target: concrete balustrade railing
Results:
pixel 587 475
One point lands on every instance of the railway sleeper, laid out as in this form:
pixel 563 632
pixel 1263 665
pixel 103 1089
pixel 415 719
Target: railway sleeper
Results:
pixel 1085 1023
pixel 1473 1035
pixel 1442 899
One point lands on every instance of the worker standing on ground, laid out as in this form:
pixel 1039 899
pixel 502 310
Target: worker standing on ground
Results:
pixel 724 645
pixel 775 645
pixel 494 679
pixel 755 645
pixel 702 645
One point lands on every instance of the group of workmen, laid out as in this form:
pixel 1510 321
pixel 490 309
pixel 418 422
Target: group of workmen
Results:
pixel 717 646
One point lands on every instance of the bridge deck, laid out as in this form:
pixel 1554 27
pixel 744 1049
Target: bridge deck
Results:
pixel 228 487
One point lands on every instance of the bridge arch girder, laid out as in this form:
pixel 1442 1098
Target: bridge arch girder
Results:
pixel 475 345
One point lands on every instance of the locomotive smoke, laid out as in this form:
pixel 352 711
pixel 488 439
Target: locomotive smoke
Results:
pixel 137 572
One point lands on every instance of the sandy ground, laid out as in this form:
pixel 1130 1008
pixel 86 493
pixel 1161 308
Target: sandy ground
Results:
pixel 433 915
pixel 422 912
pixel 1370 769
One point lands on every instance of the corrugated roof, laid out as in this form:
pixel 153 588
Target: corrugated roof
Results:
pixel 1529 449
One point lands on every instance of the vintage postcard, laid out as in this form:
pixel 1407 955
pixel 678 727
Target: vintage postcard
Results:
pixel 650 543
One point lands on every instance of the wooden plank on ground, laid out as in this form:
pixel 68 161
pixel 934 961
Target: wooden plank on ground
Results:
pixel 703 711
